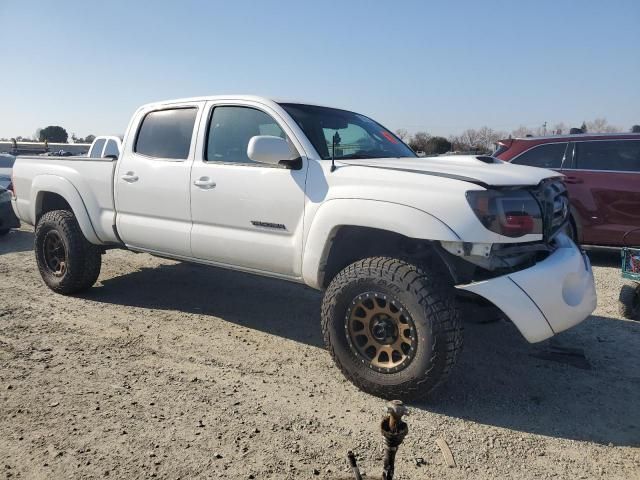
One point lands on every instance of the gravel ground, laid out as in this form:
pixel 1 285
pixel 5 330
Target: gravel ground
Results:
pixel 171 370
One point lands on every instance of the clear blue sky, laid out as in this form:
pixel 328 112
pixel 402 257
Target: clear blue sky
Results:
pixel 440 67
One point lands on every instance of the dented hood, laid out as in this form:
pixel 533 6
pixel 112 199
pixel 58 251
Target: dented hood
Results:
pixel 478 169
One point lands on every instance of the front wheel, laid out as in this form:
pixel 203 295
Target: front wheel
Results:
pixel 67 261
pixel 392 328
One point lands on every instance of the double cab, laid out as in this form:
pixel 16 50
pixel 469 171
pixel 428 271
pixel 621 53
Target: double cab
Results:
pixel 331 199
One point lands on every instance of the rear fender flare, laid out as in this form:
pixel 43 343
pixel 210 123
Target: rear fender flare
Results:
pixel 61 186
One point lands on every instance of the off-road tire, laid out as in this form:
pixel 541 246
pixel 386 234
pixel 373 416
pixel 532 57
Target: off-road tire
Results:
pixel 426 294
pixel 83 259
pixel 629 301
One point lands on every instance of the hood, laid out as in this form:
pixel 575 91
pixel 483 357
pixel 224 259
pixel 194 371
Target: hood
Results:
pixel 479 169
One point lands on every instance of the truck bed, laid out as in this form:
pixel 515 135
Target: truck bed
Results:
pixel 91 178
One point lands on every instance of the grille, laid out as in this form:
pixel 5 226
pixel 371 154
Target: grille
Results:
pixel 554 203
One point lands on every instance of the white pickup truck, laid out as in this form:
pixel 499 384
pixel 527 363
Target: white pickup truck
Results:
pixel 331 199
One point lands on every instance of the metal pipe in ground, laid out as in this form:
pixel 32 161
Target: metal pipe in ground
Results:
pixel 393 432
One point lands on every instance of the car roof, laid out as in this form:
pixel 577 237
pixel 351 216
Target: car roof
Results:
pixel 242 97
pixel 576 137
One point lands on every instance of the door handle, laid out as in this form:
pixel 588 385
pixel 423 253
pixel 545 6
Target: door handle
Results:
pixel 573 180
pixel 130 177
pixel 205 183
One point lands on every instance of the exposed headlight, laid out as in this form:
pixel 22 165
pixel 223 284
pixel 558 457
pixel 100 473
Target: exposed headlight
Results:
pixel 512 213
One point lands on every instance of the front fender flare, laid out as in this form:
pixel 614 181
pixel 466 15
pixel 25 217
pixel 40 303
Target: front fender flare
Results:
pixel 394 217
pixel 63 187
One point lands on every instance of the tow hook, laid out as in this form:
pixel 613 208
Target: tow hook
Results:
pixel 393 431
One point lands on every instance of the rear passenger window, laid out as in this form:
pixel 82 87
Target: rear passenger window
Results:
pixel 230 130
pixel 616 155
pixel 549 155
pixel 166 133
pixel 96 150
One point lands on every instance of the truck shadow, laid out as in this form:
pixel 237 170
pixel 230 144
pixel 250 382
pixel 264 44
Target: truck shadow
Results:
pixel 602 258
pixel 273 306
pixel 503 381
pixel 500 379
pixel 16 241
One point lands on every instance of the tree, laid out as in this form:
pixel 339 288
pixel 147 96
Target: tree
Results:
pixel 437 145
pixel 635 129
pixel 54 134
pixel 89 139
pixel 583 127
pixel 600 125
pixel 402 134
pixel 469 140
pixel 419 142
pixel 488 138
pixel 559 128
pixel 522 132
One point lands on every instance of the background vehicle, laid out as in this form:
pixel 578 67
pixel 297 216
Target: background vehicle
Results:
pixel 328 198
pixel 602 176
pixel 105 146
pixel 6 164
pixel 8 219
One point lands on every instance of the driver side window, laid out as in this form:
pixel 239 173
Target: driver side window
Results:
pixel 230 130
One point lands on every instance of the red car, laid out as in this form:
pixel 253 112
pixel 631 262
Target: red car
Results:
pixel 603 178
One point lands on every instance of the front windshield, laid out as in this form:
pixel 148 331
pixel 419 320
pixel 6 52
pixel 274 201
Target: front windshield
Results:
pixel 348 135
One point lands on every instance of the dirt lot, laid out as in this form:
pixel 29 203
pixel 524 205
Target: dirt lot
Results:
pixel 175 371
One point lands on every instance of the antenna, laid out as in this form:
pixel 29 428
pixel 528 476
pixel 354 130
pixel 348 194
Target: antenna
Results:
pixel 336 140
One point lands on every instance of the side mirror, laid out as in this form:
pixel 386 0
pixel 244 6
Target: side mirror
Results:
pixel 268 149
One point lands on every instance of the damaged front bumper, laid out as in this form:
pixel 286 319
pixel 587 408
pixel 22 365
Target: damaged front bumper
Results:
pixel 553 295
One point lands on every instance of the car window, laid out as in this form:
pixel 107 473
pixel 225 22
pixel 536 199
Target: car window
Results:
pixel 4 182
pixel 166 133
pixel 346 135
pixel 230 130
pixel 111 149
pixel 6 161
pixel 620 155
pixel 548 155
pixel 96 150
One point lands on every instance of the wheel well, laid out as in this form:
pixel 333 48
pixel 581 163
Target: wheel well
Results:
pixel 49 201
pixel 576 224
pixel 353 243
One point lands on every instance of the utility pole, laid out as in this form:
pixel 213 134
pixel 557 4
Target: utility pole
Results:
pixel 544 128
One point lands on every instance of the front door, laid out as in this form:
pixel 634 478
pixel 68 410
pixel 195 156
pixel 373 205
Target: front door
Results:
pixel 247 214
pixel 152 181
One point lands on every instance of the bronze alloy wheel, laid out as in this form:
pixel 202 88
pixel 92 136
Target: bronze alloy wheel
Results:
pixel 381 332
pixel 55 254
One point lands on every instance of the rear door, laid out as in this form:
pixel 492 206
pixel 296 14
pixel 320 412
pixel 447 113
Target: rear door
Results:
pixel 153 177
pixel 604 185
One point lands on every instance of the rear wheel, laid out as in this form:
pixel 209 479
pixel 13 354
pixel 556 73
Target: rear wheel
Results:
pixel 392 328
pixel 67 261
